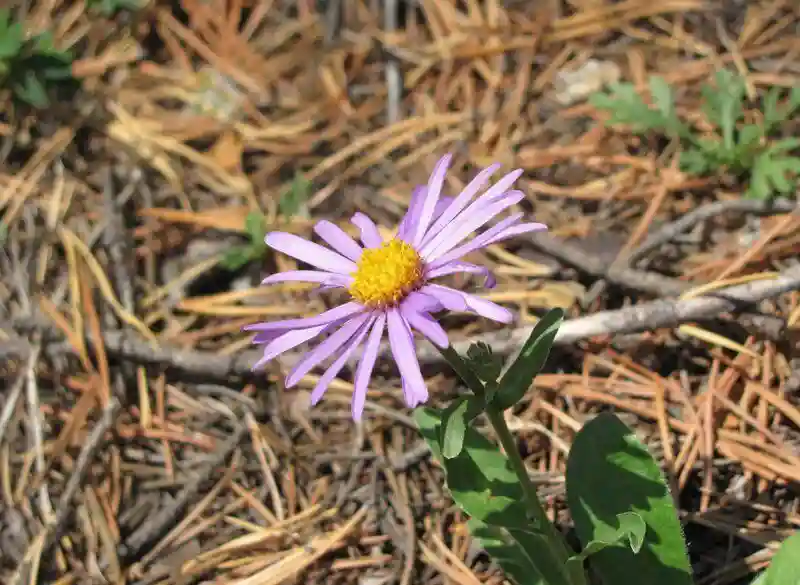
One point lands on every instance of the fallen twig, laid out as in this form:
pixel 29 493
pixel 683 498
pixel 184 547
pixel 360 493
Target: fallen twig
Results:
pixel 642 317
pixel 156 525
pixel 688 221
pixel 64 506
pixel 587 263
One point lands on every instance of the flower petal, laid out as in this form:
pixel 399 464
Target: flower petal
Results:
pixel 450 299
pixel 309 252
pixel 265 337
pixel 325 278
pixel 405 229
pixel 401 341
pixel 450 238
pixel 338 239
pixel 455 267
pixel 475 243
pixel 515 231
pixel 468 193
pixel 426 325
pixel 433 192
pixel 336 314
pixel 422 303
pixel 325 349
pixel 478 305
pixel 287 341
pixel 365 367
pixel 461 201
pixel 504 230
pixel 349 347
pixel 370 236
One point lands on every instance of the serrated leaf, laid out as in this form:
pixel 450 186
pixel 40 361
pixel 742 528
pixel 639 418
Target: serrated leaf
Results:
pixel 664 102
pixel 694 161
pixel 759 187
pixel 627 107
pixel 520 374
pixel 750 136
pixel 609 472
pixel 723 105
pixel 484 362
pixel 785 566
pixel 784 145
pixel 483 485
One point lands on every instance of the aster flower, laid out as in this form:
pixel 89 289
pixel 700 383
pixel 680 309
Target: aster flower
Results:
pixel 392 283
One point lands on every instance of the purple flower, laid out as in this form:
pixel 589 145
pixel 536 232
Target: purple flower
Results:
pixel 391 282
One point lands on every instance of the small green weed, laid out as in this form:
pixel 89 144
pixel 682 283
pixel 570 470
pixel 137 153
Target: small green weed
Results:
pixel 111 7
pixel 746 149
pixel 291 203
pixel 32 68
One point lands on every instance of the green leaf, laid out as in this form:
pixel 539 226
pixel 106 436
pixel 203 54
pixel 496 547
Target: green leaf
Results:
pixel 632 530
pixel 664 101
pixel 519 376
pixel 292 202
pixel 695 161
pixel 484 362
pixel 32 91
pixel 784 145
pixel 609 472
pixel 256 228
pixel 12 36
pixel 772 173
pixel 785 566
pixel 236 257
pixel 759 187
pixel 483 484
pixel 454 426
pixel 627 107
pixel 480 478
pixel 508 549
pixel 723 104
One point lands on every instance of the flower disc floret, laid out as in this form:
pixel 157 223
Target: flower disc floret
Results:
pixel 386 274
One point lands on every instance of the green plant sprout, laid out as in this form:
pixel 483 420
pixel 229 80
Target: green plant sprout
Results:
pixel 32 68
pixel 748 150
pixel 111 7
pixel 290 204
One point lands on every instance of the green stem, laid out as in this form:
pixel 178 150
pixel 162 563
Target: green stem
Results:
pixel 559 550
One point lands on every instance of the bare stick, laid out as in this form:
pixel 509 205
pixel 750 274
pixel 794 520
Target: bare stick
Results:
pixel 10 405
pixel 394 81
pixel 156 525
pixel 670 231
pixel 587 263
pixel 210 366
pixel 75 480
pixel 641 317
pixel 35 424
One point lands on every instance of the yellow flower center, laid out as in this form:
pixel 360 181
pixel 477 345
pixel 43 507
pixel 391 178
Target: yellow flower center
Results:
pixel 386 275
